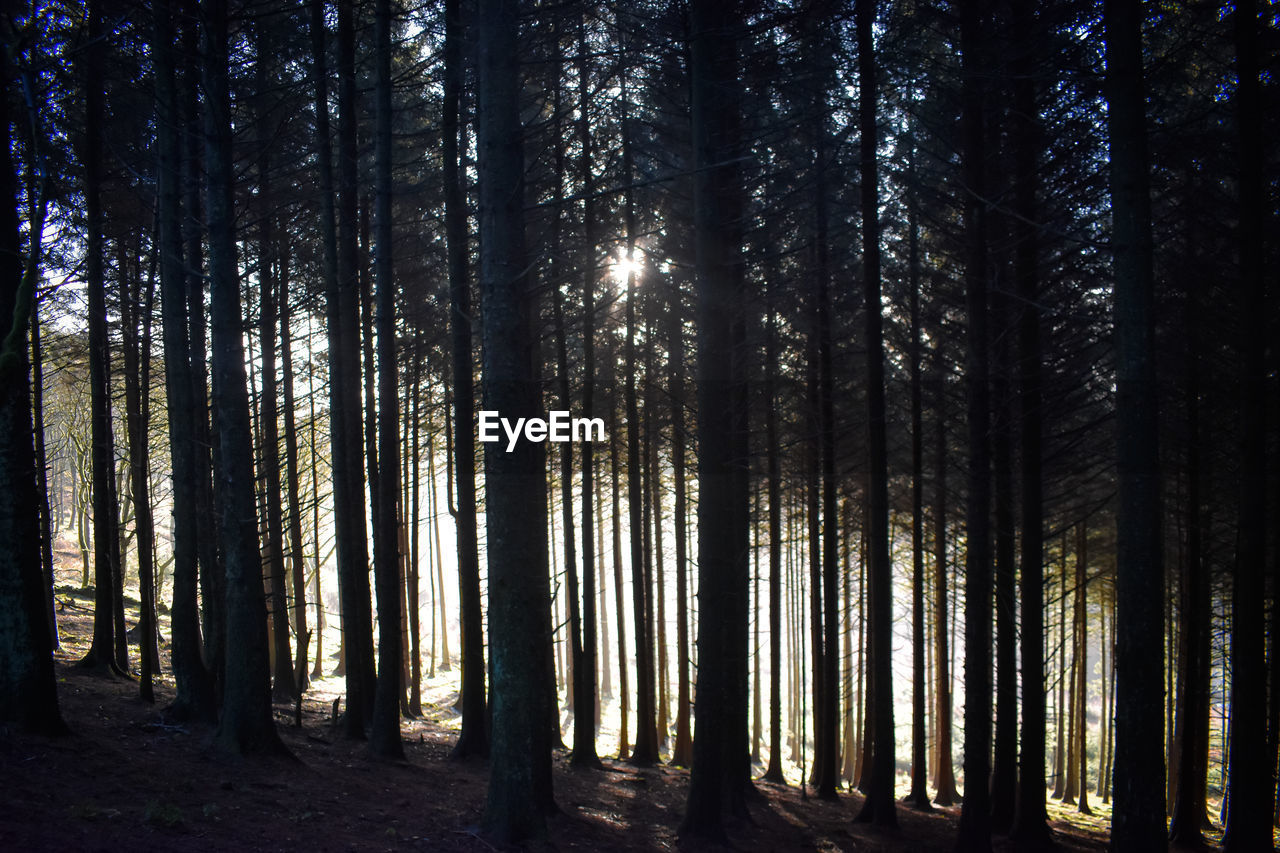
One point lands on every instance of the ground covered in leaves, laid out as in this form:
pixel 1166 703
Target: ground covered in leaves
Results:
pixel 125 779
pixel 128 779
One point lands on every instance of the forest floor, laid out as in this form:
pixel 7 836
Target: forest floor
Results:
pixel 127 779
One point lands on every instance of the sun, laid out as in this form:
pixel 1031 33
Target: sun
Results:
pixel 625 266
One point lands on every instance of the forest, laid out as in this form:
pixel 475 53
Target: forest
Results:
pixel 468 424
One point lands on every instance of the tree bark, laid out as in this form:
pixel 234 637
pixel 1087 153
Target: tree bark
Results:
pixel 520 786
pixel 717 781
pixel 195 696
pixel 646 745
pixel 1030 818
pixel 1082 664
pixel 473 738
pixel 282 683
pixel 384 735
pixel 135 309
pixel 339 269
pixel 944 781
pixel 1190 810
pixel 919 795
pixel 975 814
pixel 1138 816
pixel 297 563
pixel 47 524
pixel 880 806
pixel 104 650
pixel 774 474
pixel 1252 772
pixel 245 723
pixel 28 689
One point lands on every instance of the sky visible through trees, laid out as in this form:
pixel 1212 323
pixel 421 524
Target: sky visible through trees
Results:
pixel 915 359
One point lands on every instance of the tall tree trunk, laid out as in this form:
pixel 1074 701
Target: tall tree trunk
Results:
pixel 520 787
pixel 1190 811
pixel 339 243
pixel 718 780
pixel 47 522
pixel 384 735
pixel 297 563
pixel 1251 783
pixel 135 309
pixel 812 462
pixel 368 357
pixel 919 795
pixel 774 473
pixel 1073 698
pixel 1059 711
pixel 104 650
pixel 1103 722
pixel 1082 664
pixel 830 695
pixel 282 682
pixel 879 807
pixel 195 696
pixel 646 746
pixel 1030 818
pixel 413 573
pixel 583 705
pixel 1138 816
pixel 945 780
pixel 975 814
pixel 28 689
pixel 473 738
pixel 245 723
pixel 1004 767
pixel 317 670
pixel 657 584
pixel 624 747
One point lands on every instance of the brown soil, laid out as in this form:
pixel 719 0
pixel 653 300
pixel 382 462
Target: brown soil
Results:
pixel 127 779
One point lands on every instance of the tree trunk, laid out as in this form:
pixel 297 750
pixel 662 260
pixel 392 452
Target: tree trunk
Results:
pixel 975 814
pixel 47 523
pixel 28 688
pixel 473 738
pixel 104 651
pixel 520 787
pixel 413 574
pixel 919 795
pixel 1190 811
pixel 1030 819
pixel 1004 768
pixel 944 781
pixel 297 563
pixel 1251 782
pixel 283 688
pixel 879 807
pixel 245 722
pixel 1059 710
pixel 646 746
pixel 317 670
pixel 195 697
pixel 624 747
pixel 384 735
pixel 136 308
pixel 717 782
pixel 774 473
pixel 339 268
pixel 1082 665
pixel 682 751
pixel 1138 816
